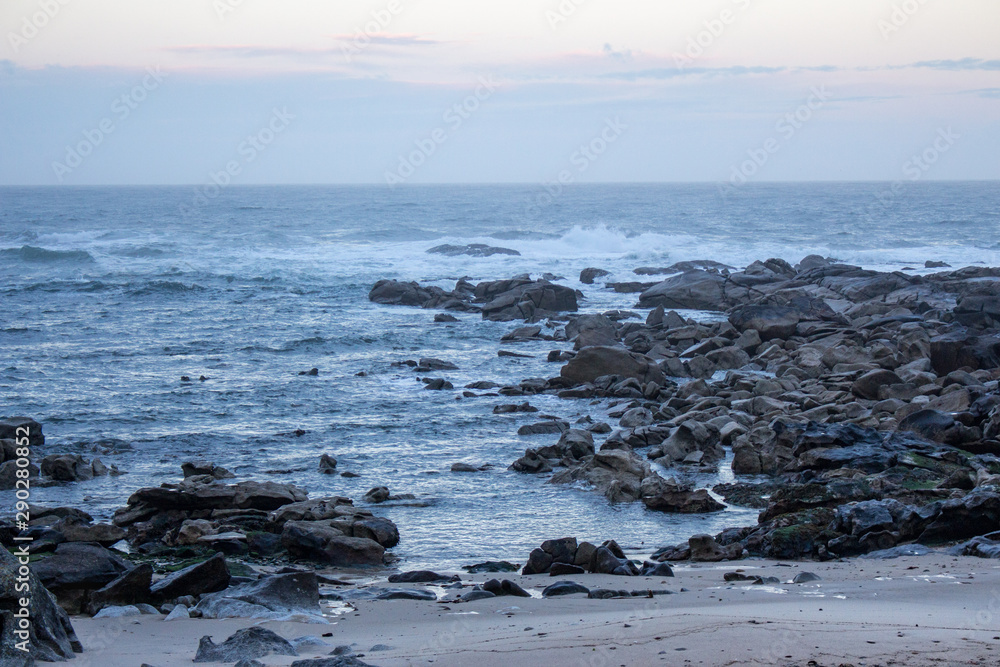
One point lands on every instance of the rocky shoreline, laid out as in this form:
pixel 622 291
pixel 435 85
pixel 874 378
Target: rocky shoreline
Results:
pixel 858 410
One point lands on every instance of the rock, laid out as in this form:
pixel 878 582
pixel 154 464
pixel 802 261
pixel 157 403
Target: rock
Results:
pixel 588 275
pixel 50 635
pixel 704 548
pixel 206 577
pixel 471 250
pixel 770 322
pixel 377 495
pixel 393 292
pixel 419 577
pixel 867 386
pixel 318 541
pixel 428 364
pixel 564 569
pixel 195 468
pixel 437 384
pixel 247 644
pixel 67 468
pixel 490 567
pixel 78 566
pixel 695 290
pixel 662 495
pixel 930 264
pixel 445 317
pixel 522 300
pixel 806 577
pixel 327 464
pixel 339 661
pixel 178 613
pixel 931 424
pixel 381 530
pixel 539 562
pixel 564 588
pixel 636 417
pixel 477 594
pixel 118 612
pixel 551 426
pixel 593 362
pixel 132 587
pixel 657 570
pixel 464 467
pixel 14 428
pixel 273 597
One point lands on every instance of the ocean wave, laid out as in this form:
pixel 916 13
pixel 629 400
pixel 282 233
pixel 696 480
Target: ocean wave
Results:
pixel 29 253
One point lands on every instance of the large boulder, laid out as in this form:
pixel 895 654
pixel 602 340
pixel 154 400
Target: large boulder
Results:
pixel 75 568
pixel 207 577
pixel 246 644
pixel 271 597
pixel 769 322
pixel 696 290
pixel 14 428
pixel 319 541
pixel 397 293
pixel 867 385
pixel 50 633
pixel 130 588
pixel 527 300
pixel 663 495
pixel 593 362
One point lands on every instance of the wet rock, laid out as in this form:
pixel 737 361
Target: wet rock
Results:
pixel 247 644
pixel 445 317
pixel 544 428
pixel 70 468
pixel 806 577
pixel 15 427
pixel 437 384
pixel 327 464
pixel 377 495
pixel 477 594
pixel 78 567
pixel 206 577
pixel 419 577
pixel 197 468
pixel 564 588
pixel 663 495
pixel 490 567
pixel 471 250
pixel 396 293
pixel 319 541
pixel 588 275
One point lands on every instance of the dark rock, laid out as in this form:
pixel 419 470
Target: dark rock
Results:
pixel 477 594
pixel 393 292
pixel 377 495
pixel 657 570
pixel 79 566
pixel 696 290
pixel 588 275
pixel 293 593
pixel 209 576
pixel 593 362
pixel 539 562
pixel 419 577
pixel 806 577
pixel 247 644
pixel 318 541
pixel 867 386
pixel 490 567
pixel 132 587
pixel 471 250
pixel 704 548
pixel 327 464
pixel 50 635
pixel 564 588
pixel 563 569
pixel 445 317
pixel 770 322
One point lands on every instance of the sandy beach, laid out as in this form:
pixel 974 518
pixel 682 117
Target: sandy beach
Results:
pixel 931 610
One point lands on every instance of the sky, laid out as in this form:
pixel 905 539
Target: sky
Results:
pixel 531 91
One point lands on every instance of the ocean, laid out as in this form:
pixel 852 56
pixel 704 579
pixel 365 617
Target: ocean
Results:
pixel 111 294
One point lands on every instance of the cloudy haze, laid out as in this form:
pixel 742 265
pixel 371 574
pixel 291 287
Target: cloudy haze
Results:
pixel 416 91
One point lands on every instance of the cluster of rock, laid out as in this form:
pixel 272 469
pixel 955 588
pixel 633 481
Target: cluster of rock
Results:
pixel 55 468
pixel 859 393
pixel 519 298
pixel 262 518
pixel 566 556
